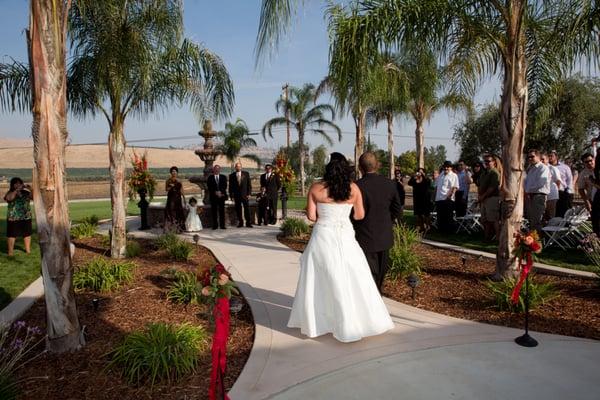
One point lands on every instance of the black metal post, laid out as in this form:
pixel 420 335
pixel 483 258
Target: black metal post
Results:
pixel 143 205
pixel 526 340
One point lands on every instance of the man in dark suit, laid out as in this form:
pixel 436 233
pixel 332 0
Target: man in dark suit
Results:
pixel 375 233
pixel 271 182
pixel 217 191
pixel 240 189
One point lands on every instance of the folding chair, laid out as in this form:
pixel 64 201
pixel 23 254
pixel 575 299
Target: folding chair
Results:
pixel 470 223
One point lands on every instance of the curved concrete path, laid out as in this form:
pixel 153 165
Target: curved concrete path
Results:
pixel 426 355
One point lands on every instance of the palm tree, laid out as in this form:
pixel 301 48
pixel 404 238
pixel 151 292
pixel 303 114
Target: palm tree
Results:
pixel 234 138
pixel 299 114
pixel 131 58
pixel 530 43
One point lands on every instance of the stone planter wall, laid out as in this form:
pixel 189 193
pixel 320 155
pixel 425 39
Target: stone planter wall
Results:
pixel 156 214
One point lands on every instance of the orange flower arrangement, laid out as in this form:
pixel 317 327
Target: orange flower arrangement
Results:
pixel 285 173
pixel 140 177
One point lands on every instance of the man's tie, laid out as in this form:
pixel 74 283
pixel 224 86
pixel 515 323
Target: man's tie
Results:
pixel 217 179
pixel 239 177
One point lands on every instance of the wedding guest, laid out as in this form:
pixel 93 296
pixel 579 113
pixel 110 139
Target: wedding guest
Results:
pixel 18 221
pixel 192 222
pixel 537 188
pixel 240 189
pixel 446 187
pixel 555 184
pixel 172 180
pixel 174 209
pixel 489 196
pixel 464 183
pixel 217 192
pixel 401 192
pixel 478 170
pixel 421 186
pixel 565 191
pixel 588 190
pixel 272 183
pixel 263 206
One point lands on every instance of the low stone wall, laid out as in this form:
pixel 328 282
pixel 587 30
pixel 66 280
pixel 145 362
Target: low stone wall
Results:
pixel 156 214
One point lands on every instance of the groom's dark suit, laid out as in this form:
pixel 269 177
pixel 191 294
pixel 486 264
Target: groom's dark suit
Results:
pixel 217 204
pixel 374 233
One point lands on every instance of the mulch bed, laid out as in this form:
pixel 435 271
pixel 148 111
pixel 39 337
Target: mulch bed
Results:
pixel 448 288
pixel 82 374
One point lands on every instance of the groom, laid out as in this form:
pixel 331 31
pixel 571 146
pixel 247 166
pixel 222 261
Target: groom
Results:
pixel 374 233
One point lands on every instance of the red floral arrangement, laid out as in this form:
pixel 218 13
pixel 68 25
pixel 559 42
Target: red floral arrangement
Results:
pixel 140 177
pixel 216 283
pixel 285 173
pixel 525 246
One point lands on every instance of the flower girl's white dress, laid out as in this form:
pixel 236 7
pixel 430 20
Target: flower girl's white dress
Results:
pixel 192 222
pixel 336 292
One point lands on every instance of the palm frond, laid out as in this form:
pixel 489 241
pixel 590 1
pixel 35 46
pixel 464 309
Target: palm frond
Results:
pixel 270 124
pixel 15 87
pixel 275 22
pixel 254 158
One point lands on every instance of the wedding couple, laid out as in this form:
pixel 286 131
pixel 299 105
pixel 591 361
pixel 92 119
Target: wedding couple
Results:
pixel 345 261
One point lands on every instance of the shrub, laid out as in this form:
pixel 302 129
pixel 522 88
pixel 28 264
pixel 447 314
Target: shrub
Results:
pixel 160 352
pixel 101 275
pixel 92 220
pixel 294 227
pixel 133 249
pixel 539 293
pixel 165 241
pixel 403 259
pixel 83 230
pixel 184 289
pixel 180 250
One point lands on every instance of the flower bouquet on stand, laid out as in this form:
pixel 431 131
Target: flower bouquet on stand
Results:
pixel 217 288
pixel 288 180
pixel 141 182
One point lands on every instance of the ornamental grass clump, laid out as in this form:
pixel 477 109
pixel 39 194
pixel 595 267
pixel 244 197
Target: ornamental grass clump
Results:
pixel 184 289
pixel 180 250
pixel 83 230
pixel 16 344
pixel 133 249
pixel 166 240
pixel 539 293
pixel 294 227
pixel 160 352
pixel 102 275
pixel 403 258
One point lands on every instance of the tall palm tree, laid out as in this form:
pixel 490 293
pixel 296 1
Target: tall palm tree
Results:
pixel 297 111
pixel 529 43
pixel 131 58
pixel 236 136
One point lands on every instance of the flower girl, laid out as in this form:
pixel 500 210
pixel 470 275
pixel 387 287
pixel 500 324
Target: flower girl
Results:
pixel 192 222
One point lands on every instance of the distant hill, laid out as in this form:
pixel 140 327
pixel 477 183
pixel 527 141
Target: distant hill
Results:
pixel 18 153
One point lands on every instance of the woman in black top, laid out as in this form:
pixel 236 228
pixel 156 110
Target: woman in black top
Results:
pixel 421 198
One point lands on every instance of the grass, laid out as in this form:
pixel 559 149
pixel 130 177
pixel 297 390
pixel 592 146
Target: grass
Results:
pixel 17 272
pixel 295 203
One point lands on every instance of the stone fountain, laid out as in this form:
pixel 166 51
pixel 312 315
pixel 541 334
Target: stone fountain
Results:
pixel 208 154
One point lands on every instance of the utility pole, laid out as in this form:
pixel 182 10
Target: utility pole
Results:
pixel 287 113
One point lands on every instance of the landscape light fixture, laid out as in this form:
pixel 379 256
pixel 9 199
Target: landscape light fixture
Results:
pixel 235 305
pixel 96 304
pixel 413 282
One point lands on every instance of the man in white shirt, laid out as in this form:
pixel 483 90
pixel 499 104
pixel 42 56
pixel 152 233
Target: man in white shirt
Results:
pixel 464 183
pixel 565 191
pixel 537 188
pixel 555 185
pixel 446 186
pixel 587 185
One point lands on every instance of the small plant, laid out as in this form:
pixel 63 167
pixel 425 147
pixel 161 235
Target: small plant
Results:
pixel 180 250
pixel 133 249
pixel 101 275
pixel 92 220
pixel 166 240
pixel 184 289
pixel 539 293
pixel 403 258
pixel 16 343
pixel 160 352
pixel 293 227
pixel 83 230
pixel 591 246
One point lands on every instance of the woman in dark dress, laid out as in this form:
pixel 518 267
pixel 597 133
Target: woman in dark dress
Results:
pixel 401 192
pixel 174 213
pixel 421 186
pixel 19 214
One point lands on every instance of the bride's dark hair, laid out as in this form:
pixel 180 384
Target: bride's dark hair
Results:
pixel 337 178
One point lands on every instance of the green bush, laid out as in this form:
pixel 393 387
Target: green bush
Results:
pixel 83 230
pixel 92 220
pixel 184 289
pixel 403 258
pixel 133 249
pixel 539 293
pixel 181 250
pixel 160 352
pixel 101 275
pixel 294 227
pixel 165 241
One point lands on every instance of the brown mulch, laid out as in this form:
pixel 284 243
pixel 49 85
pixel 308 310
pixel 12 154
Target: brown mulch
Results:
pixel 82 374
pixel 448 288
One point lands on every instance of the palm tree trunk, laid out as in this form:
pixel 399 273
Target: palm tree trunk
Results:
pixel 420 142
pixel 302 155
pixel 513 123
pixel 359 146
pixel 46 42
pixel 390 122
pixel 117 146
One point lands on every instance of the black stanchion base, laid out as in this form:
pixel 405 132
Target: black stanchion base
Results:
pixel 526 341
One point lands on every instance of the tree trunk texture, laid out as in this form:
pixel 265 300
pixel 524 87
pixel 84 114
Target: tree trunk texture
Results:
pixel 420 142
pixel 46 45
pixel 359 146
pixel 390 122
pixel 117 146
pixel 302 155
pixel 513 123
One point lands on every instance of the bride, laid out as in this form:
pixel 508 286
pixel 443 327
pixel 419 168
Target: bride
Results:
pixel 336 292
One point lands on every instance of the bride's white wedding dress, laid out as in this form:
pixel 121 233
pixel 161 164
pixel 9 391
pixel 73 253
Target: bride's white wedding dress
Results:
pixel 336 292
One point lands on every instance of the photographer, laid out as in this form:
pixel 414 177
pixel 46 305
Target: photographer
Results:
pixel 19 214
pixel 421 199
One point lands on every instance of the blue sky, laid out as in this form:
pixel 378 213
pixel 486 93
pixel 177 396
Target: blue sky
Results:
pixel 228 27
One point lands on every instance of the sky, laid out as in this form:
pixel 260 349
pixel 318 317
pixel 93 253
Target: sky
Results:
pixel 228 28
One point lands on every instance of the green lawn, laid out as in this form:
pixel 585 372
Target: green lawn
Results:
pixel 296 203
pixel 17 272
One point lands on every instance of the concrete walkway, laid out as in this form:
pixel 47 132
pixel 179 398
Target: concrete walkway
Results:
pixel 426 355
